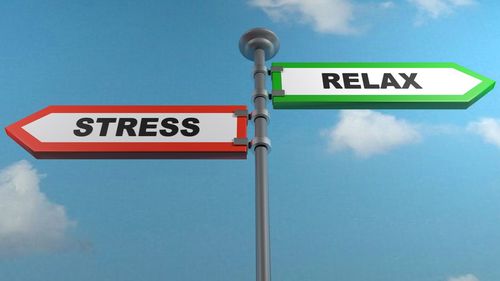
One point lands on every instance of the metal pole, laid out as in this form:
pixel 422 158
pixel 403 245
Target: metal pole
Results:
pixel 261 184
pixel 260 45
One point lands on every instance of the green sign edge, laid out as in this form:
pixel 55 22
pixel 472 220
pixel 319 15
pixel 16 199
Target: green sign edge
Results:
pixel 378 101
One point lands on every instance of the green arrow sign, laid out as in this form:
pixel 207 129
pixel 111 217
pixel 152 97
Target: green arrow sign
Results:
pixel 376 86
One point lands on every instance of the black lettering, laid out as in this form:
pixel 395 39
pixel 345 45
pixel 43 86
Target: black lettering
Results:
pixel 366 82
pixel 189 123
pixel 169 125
pixel 389 81
pixel 145 125
pixel 126 124
pixel 350 78
pixel 410 81
pixel 83 123
pixel 105 125
pixel 331 78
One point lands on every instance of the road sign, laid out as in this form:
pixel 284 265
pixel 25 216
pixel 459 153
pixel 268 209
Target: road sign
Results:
pixel 376 85
pixel 185 132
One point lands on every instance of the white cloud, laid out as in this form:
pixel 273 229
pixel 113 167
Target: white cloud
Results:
pixel 338 16
pixel 367 132
pixel 468 277
pixel 327 16
pixel 29 222
pixel 488 128
pixel 437 8
pixel 387 5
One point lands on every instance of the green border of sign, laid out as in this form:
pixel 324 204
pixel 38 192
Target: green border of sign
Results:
pixel 377 101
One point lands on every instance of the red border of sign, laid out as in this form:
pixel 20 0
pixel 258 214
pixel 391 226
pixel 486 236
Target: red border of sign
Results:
pixel 123 150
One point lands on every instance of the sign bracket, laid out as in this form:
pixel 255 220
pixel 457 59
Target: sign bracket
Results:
pixel 240 141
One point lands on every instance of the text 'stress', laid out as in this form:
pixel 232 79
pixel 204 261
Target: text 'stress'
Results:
pixel 134 132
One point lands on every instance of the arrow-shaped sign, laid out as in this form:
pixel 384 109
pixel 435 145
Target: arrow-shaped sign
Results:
pixel 376 85
pixel 134 132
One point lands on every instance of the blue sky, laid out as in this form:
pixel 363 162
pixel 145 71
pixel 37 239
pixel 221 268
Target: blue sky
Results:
pixel 420 205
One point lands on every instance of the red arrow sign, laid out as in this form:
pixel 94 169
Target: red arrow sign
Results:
pixel 118 132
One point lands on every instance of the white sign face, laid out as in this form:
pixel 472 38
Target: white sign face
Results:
pixel 134 127
pixel 376 81
pixel 376 86
pixel 134 132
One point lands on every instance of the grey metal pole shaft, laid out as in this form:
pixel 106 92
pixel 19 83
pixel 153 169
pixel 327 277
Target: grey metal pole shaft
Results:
pixel 261 183
pixel 259 45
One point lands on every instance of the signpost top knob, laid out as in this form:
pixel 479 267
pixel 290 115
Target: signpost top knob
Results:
pixel 259 38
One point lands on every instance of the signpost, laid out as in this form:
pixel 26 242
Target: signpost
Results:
pixel 259 45
pixel 184 132
pixel 220 132
pixel 376 86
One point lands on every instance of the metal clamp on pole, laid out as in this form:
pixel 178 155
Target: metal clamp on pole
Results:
pixel 261 141
pixel 260 114
pixel 259 45
pixel 260 94
pixel 260 69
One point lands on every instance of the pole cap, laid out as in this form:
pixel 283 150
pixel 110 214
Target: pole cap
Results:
pixel 259 38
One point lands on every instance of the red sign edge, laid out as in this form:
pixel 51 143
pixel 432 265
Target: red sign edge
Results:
pixel 116 150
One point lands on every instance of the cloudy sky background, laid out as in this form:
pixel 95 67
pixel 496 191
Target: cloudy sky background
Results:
pixel 407 195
